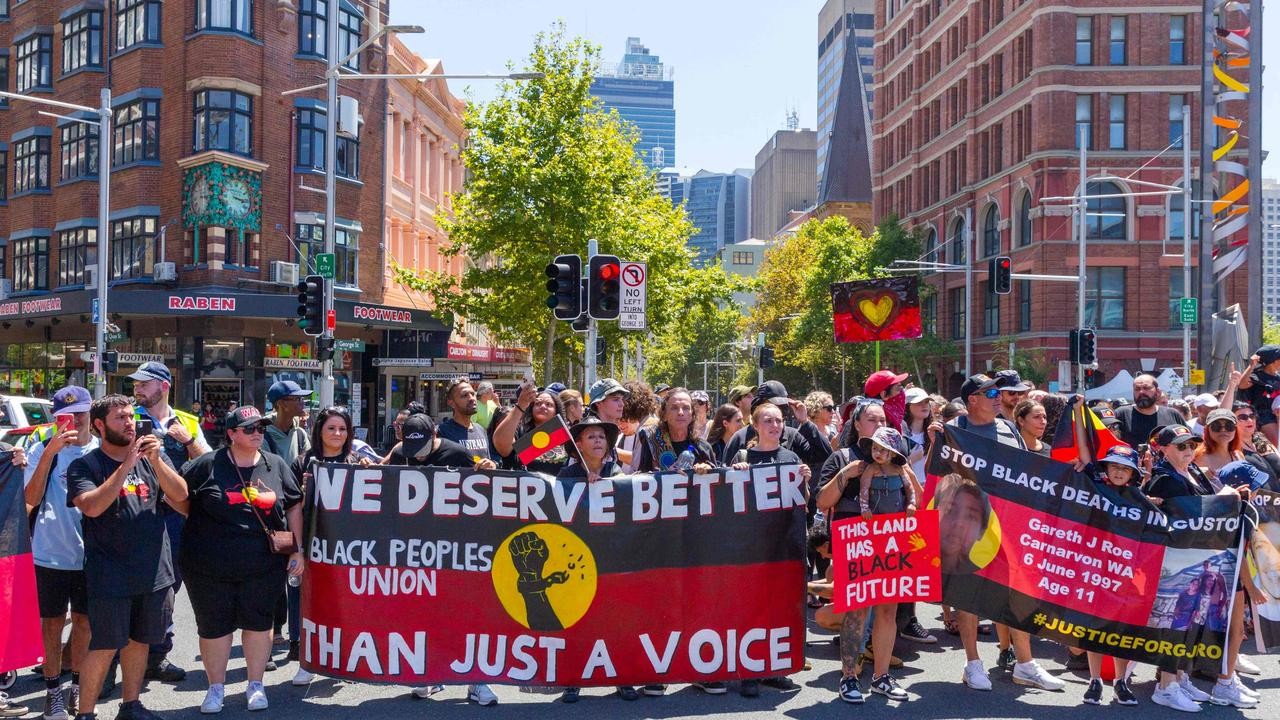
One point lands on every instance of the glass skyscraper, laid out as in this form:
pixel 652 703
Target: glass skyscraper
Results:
pixel 641 90
pixel 718 205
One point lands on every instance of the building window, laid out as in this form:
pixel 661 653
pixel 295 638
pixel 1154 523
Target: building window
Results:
pixel 929 313
pixel 744 257
pixel 991 232
pixel 35 57
pixel 4 175
pixel 133 247
pixel 990 310
pixel 1084 40
pixel 137 22
pixel 1104 298
pixel 1177 219
pixel 1175 119
pixel 959 321
pixel 1178 40
pixel 313 32
pixel 931 246
pixel 235 15
pixel 1175 297
pixel 31 164
pixel 1024 220
pixel 346 244
pixel 1119 51
pixel 30 263
pixel 73 253
pixel 136 131
pixel 957 242
pixel 223 121
pixel 4 76
pixel 1105 216
pixel 311 135
pixel 1116 134
pixel 82 41
pixel 79 151
pixel 1024 306
pixel 1084 121
pixel 349 37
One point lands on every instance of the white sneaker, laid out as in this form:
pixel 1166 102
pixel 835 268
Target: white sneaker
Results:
pixel 1246 666
pixel 213 698
pixel 1188 687
pixel 1032 675
pixel 1173 696
pixel 426 691
pixel 975 676
pixel 1245 689
pixel 257 696
pixel 1229 694
pixel 481 695
pixel 302 677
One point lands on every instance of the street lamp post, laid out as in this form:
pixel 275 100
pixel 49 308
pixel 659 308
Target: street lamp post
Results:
pixel 103 111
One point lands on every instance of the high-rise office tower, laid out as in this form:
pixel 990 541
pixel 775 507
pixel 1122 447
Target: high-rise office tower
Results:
pixel 641 89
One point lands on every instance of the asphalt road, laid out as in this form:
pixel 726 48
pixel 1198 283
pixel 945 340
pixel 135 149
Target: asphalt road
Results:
pixel 931 676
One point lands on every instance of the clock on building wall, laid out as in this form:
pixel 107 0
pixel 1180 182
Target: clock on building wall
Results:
pixel 222 195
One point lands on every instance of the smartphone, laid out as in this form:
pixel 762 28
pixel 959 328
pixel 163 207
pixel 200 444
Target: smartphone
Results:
pixel 65 422
pixel 143 427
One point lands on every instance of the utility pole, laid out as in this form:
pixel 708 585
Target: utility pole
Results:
pixel 969 250
pixel 1186 238
pixel 589 357
pixel 330 194
pixel 1082 234
pixel 1208 136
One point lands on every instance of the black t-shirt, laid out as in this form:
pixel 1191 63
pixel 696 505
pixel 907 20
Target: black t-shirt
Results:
pixel 224 537
pixel 448 454
pixel 1135 427
pixel 474 438
pixel 126 548
pixel 807 442
pixel 702 452
pixel 578 471
pixel 762 457
pixel 1261 393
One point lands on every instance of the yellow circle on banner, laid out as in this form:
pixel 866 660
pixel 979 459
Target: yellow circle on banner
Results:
pixel 545 577
pixel 540 440
pixel 984 551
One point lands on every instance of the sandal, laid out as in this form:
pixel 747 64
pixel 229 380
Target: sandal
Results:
pixel 951 627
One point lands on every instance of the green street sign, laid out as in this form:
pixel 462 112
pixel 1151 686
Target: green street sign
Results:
pixel 349 345
pixel 1189 310
pixel 325 263
pixel 117 337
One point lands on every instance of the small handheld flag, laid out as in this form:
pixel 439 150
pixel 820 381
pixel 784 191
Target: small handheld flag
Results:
pixel 542 439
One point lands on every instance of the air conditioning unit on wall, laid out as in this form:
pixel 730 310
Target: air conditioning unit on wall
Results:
pixel 164 272
pixel 6 288
pixel 284 273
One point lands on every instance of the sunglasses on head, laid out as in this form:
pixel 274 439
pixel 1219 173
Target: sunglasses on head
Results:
pixel 1222 426
pixel 991 394
pixel 1188 445
pixel 252 430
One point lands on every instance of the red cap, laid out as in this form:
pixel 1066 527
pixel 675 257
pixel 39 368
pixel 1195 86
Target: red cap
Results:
pixel 880 381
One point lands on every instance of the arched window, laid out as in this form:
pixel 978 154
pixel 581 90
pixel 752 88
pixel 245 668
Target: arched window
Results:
pixel 1106 218
pixel 957 242
pixel 1024 220
pixel 991 232
pixel 931 246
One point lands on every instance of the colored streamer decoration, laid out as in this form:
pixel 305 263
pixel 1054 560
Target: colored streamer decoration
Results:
pixel 1232 56
pixel 438 575
pixel 877 309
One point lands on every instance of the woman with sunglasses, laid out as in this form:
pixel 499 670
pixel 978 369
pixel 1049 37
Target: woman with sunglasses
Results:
pixel 239 496
pixel 1222 444
pixel 1257 451
pixel 822 411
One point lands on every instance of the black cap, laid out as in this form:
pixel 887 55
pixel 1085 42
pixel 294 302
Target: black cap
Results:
pixel 771 392
pixel 975 383
pixel 1268 354
pixel 416 434
pixel 1011 380
pixel 1174 434
pixel 611 431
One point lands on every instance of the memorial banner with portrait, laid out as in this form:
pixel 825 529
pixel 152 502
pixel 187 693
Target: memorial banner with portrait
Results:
pixel 422 575
pixel 1264 567
pixel 1028 542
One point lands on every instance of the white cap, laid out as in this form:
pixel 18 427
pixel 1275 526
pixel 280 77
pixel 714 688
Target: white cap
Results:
pixel 915 395
pixel 1207 400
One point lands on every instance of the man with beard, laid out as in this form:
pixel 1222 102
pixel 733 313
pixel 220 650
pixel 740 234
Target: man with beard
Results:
pixel 1012 391
pixel 1144 415
pixel 286 435
pixel 181 441
pixel 461 398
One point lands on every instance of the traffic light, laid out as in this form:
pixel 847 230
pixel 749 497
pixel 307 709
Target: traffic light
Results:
pixel 604 291
pixel 1073 346
pixel 110 361
pixel 565 286
pixel 311 305
pixel 1000 275
pixel 1088 355
pixel 766 357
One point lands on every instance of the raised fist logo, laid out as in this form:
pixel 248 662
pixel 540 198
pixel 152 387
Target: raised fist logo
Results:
pixel 529 555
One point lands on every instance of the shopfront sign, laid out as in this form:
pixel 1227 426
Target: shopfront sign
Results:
pixel 126 358
pixel 34 306
pixel 279 363
pixel 450 375
pixel 485 353
pixel 203 303
pixel 382 314
pixel 404 362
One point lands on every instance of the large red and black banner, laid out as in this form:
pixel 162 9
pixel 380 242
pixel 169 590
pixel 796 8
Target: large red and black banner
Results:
pixel 1264 567
pixel 876 309
pixel 1028 542
pixel 434 575
pixel 20 644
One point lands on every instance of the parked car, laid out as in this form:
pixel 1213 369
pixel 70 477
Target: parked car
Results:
pixel 17 411
pixel 20 437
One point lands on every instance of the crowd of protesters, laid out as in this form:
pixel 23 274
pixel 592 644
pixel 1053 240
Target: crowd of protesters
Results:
pixel 130 503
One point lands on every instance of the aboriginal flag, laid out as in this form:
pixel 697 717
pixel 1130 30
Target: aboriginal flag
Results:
pixel 20 644
pixel 1091 444
pixel 542 439
pixel 876 309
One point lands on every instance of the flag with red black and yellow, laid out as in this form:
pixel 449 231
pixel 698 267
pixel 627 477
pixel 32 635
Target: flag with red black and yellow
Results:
pixel 1081 435
pixel 542 440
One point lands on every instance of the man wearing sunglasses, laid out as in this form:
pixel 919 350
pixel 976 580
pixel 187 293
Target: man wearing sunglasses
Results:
pixel 1138 420
pixel 1012 391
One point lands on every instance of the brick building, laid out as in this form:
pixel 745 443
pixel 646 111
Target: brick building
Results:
pixel 977 109
pixel 213 212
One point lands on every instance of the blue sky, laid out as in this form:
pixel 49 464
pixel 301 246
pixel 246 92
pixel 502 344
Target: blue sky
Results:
pixel 740 65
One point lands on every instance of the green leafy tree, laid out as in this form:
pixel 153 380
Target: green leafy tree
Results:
pixel 548 170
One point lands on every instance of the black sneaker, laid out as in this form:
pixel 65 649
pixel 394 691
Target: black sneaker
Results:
pixel 1077 661
pixel 888 687
pixel 1124 695
pixel 135 711
pixel 714 687
pixel 915 631
pixel 626 692
pixel 1093 695
pixel 1006 659
pixel 570 695
pixel 55 707
pixel 749 688
pixel 165 671
pixel 654 690
pixel 851 691
pixel 73 699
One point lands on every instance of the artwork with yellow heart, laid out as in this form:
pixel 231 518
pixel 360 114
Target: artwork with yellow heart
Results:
pixel 877 309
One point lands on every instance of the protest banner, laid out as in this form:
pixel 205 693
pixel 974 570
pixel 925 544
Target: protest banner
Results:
pixel 887 559
pixel 1265 569
pixel 1028 542
pixel 432 575
pixel 876 309
pixel 20 644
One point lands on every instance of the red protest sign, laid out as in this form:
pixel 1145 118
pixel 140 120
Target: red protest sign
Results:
pixel 887 559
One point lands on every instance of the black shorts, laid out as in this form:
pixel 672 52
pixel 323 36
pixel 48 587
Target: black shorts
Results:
pixel 113 622
pixel 224 606
pixel 56 589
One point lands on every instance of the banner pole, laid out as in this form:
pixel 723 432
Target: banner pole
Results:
pixel 877 356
